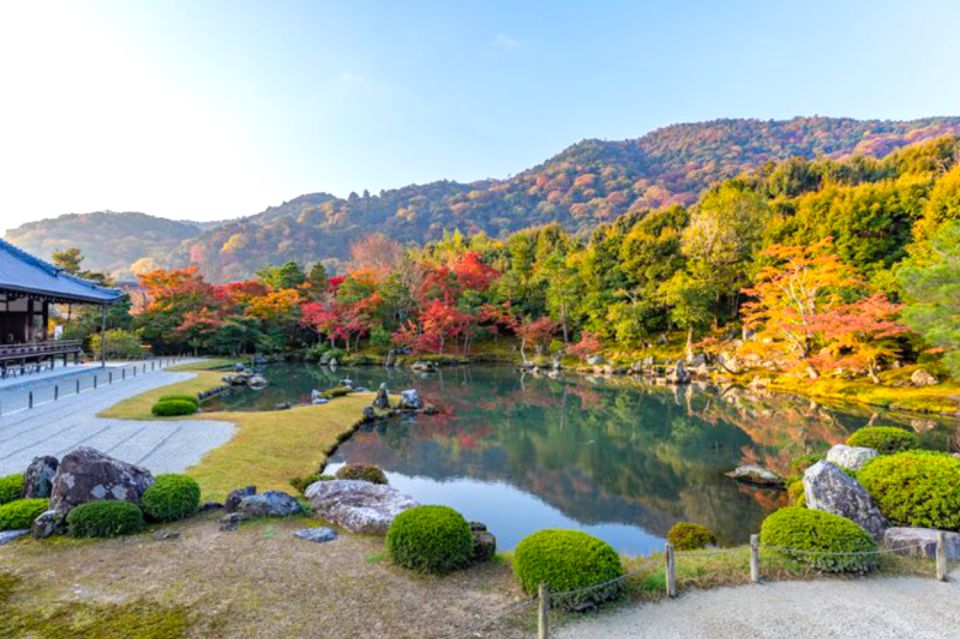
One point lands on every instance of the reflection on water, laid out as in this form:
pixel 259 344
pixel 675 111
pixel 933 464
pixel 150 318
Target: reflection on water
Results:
pixel 615 458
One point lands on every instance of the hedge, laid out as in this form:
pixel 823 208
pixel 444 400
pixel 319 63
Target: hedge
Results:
pixel 433 539
pixel 687 535
pixel 173 407
pixel 797 493
pixel 105 519
pixel 11 487
pixel 187 397
pixel 363 472
pixel 568 560
pixel 170 498
pixel 884 439
pixel 20 513
pixel 916 488
pixel 811 531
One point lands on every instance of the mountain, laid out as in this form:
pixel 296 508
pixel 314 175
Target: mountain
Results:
pixel 111 242
pixel 590 182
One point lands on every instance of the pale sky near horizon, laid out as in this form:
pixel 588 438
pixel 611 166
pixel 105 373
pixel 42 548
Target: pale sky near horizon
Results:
pixel 212 109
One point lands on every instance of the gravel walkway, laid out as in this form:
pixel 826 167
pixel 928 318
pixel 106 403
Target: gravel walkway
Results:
pixel 872 608
pixel 55 428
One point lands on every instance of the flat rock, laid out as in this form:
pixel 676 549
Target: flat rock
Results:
pixel 317 535
pixel 85 474
pixel 6 536
pixel 921 377
pixel 831 490
pixel 272 503
pixel 410 399
pixel 851 457
pixel 920 542
pixel 49 523
pixel 38 480
pixel 753 474
pixel 229 523
pixel 358 506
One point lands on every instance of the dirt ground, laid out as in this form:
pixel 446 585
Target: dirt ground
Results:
pixel 259 581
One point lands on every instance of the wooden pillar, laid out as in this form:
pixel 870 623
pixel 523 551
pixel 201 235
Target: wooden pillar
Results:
pixel 103 336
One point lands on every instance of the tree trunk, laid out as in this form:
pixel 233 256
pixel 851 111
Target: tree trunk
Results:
pixel 690 341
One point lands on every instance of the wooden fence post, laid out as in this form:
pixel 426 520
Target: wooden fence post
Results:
pixel 670 570
pixel 543 612
pixel 110 377
pixel 78 386
pixel 94 381
pixel 30 399
pixel 941 556
pixel 755 558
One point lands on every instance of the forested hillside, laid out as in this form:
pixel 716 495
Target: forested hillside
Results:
pixel 111 242
pixel 590 183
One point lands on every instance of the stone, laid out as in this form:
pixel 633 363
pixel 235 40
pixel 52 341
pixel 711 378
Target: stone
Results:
pixel 315 395
pixel 282 406
pixel 207 506
pixel 317 535
pixel 272 503
pixel 696 359
pixel 430 409
pixel 920 542
pixel 850 457
pixel 166 535
pixel 38 480
pixel 320 401
pixel 410 400
pixel 484 546
pixel 48 524
pixel 231 522
pixel 595 360
pixel 679 374
pixel 238 495
pixel 753 474
pixel 358 506
pixel 477 526
pixel 921 377
pixel 257 381
pixel 85 474
pixel 6 536
pixel 382 400
pixel 424 367
pixel 831 490
pixel 369 413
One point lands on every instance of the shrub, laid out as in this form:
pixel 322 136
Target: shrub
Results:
pixel 336 391
pixel 567 560
pixel 810 532
pixel 301 483
pixel 363 472
pixel 187 397
pixel 11 487
pixel 170 498
pixel 916 488
pixel 797 494
pixel 884 439
pixel 121 344
pixel 105 519
pixel 173 407
pixel 434 539
pixel 686 535
pixel 20 513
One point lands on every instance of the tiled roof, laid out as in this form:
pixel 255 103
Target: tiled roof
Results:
pixel 20 271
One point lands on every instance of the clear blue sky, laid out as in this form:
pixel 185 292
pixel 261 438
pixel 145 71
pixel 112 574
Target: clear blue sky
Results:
pixel 207 109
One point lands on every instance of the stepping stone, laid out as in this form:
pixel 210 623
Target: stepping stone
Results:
pixel 7 536
pixel 317 535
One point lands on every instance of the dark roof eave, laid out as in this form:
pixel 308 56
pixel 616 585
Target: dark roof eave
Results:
pixel 63 296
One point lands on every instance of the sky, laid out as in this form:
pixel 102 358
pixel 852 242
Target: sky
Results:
pixel 207 110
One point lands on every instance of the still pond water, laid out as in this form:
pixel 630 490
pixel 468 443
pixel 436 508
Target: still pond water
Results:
pixel 616 458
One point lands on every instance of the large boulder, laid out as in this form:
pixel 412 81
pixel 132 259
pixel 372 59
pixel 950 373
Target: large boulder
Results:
pixel 679 374
pixel 920 542
pixel 85 474
pixel 272 503
pixel 850 457
pixel 410 400
pixel 38 480
pixel 596 360
pixel 382 400
pixel 831 490
pixel 753 474
pixel 358 506
pixel 921 377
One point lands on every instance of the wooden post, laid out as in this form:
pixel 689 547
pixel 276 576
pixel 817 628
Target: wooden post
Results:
pixel 123 373
pixel 30 399
pixel 103 336
pixel 670 570
pixel 543 612
pixel 56 392
pixel 94 381
pixel 755 558
pixel 78 386
pixel 110 377
pixel 941 556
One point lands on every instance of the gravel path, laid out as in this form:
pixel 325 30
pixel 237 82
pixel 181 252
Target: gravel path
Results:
pixel 55 428
pixel 873 608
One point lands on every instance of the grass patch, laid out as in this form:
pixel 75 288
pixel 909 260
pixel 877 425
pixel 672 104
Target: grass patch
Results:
pixel 209 364
pixel 138 406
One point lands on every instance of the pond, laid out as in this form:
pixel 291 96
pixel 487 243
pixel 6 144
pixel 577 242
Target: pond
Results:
pixel 617 458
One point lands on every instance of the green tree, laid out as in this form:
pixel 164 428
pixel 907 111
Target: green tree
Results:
pixel 689 300
pixel 286 275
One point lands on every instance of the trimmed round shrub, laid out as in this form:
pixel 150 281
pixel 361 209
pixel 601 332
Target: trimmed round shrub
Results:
pixel 363 472
pixel 797 494
pixel 884 439
pixel 105 519
pixel 915 488
pixel 686 535
pixel 20 513
pixel 186 397
pixel 812 532
pixel 11 487
pixel 567 560
pixel 170 498
pixel 434 539
pixel 173 407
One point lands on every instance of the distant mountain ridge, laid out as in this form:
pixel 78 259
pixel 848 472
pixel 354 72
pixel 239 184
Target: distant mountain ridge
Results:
pixel 587 183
